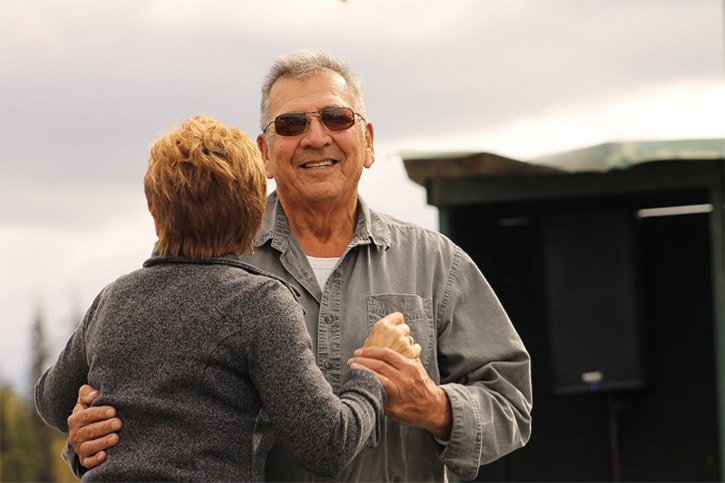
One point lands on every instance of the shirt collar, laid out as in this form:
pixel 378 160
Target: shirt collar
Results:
pixel 275 228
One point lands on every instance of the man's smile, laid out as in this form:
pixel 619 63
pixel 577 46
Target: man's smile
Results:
pixel 318 164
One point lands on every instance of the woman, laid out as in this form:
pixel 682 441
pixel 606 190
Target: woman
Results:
pixel 205 358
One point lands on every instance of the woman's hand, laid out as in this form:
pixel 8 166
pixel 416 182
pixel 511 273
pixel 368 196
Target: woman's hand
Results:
pixel 392 332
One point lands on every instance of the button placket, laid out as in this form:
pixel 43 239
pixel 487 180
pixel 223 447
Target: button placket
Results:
pixel 329 353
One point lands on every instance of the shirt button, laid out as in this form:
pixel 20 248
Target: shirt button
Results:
pixel 328 319
pixel 328 364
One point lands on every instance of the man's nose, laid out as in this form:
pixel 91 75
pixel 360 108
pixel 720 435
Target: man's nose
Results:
pixel 316 133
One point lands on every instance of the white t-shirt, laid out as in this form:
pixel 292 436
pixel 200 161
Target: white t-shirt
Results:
pixel 323 268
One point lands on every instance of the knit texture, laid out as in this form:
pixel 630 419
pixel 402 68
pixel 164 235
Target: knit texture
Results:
pixel 206 363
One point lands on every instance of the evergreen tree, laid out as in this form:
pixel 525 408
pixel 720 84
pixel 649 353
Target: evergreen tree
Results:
pixel 44 434
pixel 19 453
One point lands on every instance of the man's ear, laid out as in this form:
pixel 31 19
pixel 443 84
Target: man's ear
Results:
pixel 369 145
pixel 264 149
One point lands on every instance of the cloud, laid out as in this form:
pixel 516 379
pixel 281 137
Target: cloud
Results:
pixel 87 86
pixel 408 22
pixel 677 110
pixel 56 271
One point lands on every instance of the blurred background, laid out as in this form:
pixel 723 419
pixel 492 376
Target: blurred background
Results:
pixel 86 86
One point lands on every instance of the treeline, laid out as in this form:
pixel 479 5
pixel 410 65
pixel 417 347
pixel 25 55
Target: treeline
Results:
pixel 30 450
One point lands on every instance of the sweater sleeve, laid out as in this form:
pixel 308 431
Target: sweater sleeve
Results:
pixel 56 392
pixel 322 431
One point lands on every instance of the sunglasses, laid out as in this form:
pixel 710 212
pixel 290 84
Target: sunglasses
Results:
pixel 295 123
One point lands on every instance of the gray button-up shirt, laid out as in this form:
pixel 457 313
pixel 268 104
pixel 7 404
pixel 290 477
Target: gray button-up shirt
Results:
pixel 469 345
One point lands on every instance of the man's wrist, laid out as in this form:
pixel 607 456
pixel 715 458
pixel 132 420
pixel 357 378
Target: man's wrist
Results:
pixel 443 423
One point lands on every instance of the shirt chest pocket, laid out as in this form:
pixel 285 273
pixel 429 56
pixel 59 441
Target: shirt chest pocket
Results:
pixel 418 314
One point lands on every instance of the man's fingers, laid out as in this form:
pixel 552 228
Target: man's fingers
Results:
pixel 83 416
pixel 91 441
pixel 378 365
pixel 86 395
pixel 387 384
pixel 92 448
pixel 95 431
pixel 91 430
pixel 385 354
pixel 93 461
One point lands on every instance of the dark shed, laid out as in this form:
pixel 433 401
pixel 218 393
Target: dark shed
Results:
pixel 611 263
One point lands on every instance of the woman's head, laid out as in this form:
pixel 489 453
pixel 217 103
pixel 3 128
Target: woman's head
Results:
pixel 206 189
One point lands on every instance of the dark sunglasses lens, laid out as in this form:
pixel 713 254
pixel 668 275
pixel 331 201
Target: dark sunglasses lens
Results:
pixel 334 118
pixel 338 118
pixel 290 124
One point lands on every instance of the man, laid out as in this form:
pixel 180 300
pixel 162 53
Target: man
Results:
pixel 466 400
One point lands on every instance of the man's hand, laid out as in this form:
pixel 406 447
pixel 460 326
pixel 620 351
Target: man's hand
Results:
pixel 413 397
pixel 92 430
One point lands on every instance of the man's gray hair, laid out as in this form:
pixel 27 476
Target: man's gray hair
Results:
pixel 303 64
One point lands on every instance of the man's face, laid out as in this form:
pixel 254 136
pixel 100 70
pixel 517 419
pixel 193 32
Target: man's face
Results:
pixel 319 165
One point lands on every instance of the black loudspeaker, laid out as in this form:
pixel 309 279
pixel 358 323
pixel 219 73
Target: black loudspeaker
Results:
pixel 592 299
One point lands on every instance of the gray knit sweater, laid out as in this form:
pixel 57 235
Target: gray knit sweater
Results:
pixel 206 363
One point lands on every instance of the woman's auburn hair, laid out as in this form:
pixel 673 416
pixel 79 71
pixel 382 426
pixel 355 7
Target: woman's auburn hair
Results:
pixel 206 190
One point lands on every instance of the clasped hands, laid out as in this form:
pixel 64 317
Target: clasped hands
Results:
pixel 392 332
pixel 414 399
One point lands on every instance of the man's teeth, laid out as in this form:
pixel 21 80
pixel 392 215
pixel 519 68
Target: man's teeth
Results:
pixel 320 164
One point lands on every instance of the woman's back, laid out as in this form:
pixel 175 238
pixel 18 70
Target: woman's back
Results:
pixel 188 352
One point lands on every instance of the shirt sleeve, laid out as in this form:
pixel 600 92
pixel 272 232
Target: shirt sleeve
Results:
pixel 70 457
pixel 485 372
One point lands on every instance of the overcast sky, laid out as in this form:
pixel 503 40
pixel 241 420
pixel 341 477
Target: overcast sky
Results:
pixel 86 86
